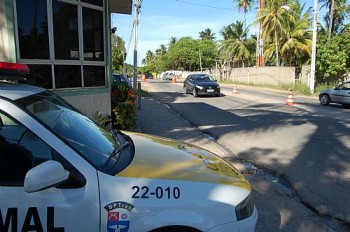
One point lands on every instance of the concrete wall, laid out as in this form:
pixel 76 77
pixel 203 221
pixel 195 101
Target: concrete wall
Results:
pixel 305 74
pixel 255 75
pixel 263 75
pixel 7 40
pixel 90 103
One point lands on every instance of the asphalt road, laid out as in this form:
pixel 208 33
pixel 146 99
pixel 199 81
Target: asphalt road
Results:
pixel 305 143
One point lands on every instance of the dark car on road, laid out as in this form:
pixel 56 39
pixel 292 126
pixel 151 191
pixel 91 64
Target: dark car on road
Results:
pixel 201 84
pixel 340 94
pixel 121 79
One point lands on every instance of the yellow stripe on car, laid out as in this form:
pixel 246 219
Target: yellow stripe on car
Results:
pixel 161 158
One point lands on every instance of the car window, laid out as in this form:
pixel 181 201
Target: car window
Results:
pixel 90 140
pixel 116 78
pixel 346 86
pixel 203 78
pixel 20 150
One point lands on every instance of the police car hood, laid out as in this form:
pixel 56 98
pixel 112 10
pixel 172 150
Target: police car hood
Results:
pixel 162 158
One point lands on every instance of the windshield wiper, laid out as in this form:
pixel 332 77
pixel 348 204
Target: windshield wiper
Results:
pixel 116 152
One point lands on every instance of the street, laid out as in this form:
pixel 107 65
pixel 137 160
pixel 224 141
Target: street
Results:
pixel 304 143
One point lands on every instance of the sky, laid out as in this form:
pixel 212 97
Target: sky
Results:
pixel 159 20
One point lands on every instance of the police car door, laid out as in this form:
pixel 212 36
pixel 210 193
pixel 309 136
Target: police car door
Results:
pixel 72 205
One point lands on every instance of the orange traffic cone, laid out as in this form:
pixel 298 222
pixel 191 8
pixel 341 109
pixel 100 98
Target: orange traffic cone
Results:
pixel 173 79
pixel 235 91
pixel 143 78
pixel 290 100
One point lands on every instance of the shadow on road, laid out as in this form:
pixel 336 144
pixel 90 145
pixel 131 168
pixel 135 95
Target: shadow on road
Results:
pixel 316 162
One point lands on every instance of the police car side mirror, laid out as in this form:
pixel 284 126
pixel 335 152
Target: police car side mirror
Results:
pixel 45 175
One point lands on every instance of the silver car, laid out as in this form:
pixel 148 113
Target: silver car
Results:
pixel 340 94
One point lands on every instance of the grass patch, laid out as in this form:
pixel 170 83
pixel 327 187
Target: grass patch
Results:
pixel 324 86
pixel 298 87
pixel 144 93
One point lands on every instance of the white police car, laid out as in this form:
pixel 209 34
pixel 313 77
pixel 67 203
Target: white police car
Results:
pixel 60 171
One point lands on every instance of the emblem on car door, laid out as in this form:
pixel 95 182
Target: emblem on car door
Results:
pixel 118 218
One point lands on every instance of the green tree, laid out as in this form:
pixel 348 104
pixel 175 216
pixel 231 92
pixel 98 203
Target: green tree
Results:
pixel 235 46
pixel 149 57
pixel 338 15
pixel 118 53
pixel 185 54
pixel 333 57
pixel 172 41
pixel 296 45
pixel 207 34
pixel 275 21
pixel 245 5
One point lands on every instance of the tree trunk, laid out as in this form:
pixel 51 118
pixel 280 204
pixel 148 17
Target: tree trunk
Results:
pixel 277 56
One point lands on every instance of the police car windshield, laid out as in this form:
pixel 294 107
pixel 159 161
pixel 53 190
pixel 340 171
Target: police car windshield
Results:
pixel 93 142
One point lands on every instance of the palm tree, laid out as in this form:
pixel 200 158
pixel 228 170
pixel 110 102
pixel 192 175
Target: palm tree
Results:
pixel 207 34
pixel 235 45
pixel 297 44
pixel 149 58
pixel 245 5
pixel 336 15
pixel 172 41
pixel 275 21
pixel 161 50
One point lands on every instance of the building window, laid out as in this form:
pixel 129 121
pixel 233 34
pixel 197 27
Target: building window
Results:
pixel 67 76
pixel 93 34
pixel 32 29
pixel 94 2
pixel 40 75
pixel 62 42
pixel 65 27
pixel 94 76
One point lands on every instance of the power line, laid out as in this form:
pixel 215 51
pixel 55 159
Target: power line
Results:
pixel 204 5
pixel 130 38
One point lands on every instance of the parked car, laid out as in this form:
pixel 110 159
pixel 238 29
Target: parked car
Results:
pixel 58 166
pixel 149 76
pixel 201 84
pixel 167 76
pixel 340 94
pixel 121 79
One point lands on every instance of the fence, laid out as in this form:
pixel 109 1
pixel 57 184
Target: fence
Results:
pixel 254 75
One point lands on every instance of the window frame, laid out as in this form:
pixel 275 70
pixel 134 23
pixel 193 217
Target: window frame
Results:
pixel 52 61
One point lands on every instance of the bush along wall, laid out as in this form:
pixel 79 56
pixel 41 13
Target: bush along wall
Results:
pixel 123 102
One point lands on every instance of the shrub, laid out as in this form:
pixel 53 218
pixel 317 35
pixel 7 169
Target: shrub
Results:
pixel 123 101
pixel 100 118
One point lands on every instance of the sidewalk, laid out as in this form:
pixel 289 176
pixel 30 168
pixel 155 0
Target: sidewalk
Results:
pixel 160 120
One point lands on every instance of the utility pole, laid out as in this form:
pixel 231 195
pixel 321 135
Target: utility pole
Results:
pixel 137 6
pixel 260 42
pixel 313 51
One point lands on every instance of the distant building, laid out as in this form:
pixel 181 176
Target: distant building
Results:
pixel 66 45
